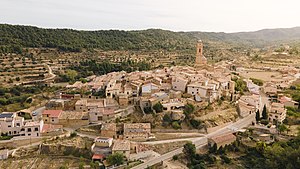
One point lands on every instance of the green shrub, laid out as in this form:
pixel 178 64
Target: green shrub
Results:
pixel 175 157
pixel 176 125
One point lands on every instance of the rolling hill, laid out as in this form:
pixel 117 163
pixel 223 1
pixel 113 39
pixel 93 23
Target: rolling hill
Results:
pixel 14 37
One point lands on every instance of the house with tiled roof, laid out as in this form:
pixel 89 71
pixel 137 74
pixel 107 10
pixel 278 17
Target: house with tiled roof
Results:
pixel 122 147
pixel 51 116
pixel 137 131
pixel 221 140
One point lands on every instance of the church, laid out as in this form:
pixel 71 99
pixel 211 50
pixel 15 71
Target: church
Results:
pixel 200 59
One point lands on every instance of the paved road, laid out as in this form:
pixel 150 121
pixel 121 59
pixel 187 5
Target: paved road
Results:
pixel 39 112
pixel 170 140
pixel 200 142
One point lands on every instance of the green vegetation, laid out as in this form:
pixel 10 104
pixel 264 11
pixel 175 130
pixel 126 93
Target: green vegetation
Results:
pixel 265 113
pixel 116 159
pixel 5 137
pixel 73 134
pixel 240 85
pixel 14 38
pixel 18 97
pixel 293 112
pixel 257 116
pixel 92 67
pixel 175 157
pixel 148 110
pixel 188 109
pixel 257 81
pixel 281 154
pixel 293 116
pixel 158 107
pixel 176 125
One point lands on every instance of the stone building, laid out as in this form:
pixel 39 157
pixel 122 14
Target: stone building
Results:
pixel 200 59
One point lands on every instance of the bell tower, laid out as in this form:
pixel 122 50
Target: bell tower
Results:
pixel 200 59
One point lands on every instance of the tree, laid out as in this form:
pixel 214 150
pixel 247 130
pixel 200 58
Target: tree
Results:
pixel 213 149
pixel 167 118
pixel 265 113
pixel 71 74
pixel 176 125
pixel 188 109
pixel 115 159
pixel 189 150
pixel 158 107
pixel 282 128
pixel 197 124
pixel 175 157
pixel 18 79
pixel 257 116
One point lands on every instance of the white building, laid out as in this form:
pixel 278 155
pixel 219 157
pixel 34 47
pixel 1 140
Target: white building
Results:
pixel 149 88
pixel 32 129
pixel 10 123
pixel 179 84
pixel 103 142
pixel 277 113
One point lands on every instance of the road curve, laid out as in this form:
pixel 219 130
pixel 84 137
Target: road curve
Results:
pixel 200 142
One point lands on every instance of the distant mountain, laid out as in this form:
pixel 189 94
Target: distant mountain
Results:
pixel 280 34
pixel 14 37
pixel 256 38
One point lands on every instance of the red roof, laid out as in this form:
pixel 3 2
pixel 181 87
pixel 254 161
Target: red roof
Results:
pixel 108 111
pixel 50 127
pixel 52 113
pixel 98 157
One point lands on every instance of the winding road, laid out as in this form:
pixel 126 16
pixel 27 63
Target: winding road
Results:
pixel 52 76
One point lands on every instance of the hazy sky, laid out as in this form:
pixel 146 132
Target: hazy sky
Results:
pixel 178 15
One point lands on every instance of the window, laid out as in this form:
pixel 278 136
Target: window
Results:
pixel 29 130
pixel 96 114
pixel 36 129
pixel 9 126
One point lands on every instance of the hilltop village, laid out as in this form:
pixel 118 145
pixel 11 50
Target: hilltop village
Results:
pixel 130 113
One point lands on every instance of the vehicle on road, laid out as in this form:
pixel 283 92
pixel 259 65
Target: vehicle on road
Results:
pixel 34 113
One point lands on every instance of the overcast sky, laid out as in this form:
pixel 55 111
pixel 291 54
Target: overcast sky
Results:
pixel 177 15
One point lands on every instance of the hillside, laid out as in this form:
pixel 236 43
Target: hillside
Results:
pixel 74 40
pixel 14 37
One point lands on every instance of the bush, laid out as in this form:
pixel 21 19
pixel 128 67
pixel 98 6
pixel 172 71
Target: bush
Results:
pixel 188 109
pixel 175 157
pixel 176 125
pixel 257 81
pixel 115 159
pixel 225 159
pixel 196 123
pixel 264 122
pixel 148 110
pixel 73 134
pixel 167 118
pixel 158 107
